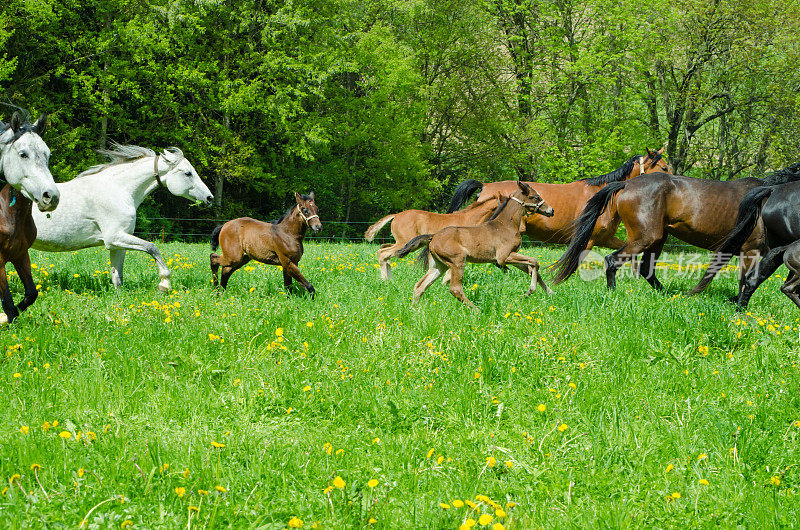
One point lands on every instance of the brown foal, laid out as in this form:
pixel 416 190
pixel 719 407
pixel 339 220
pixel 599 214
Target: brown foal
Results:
pixel 495 241
pixel 568 200
pixel 277 243
pixel 408 224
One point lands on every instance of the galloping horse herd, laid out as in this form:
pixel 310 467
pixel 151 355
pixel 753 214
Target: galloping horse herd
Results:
pixel 749 217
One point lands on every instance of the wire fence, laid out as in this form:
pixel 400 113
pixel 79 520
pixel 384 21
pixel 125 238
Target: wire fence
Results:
pixel 197 229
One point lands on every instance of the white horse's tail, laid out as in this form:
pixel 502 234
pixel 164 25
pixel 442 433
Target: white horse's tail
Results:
pixel 215 237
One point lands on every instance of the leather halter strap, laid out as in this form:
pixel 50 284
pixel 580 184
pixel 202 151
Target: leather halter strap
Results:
pixel 306 219
pixel 155 172
pixel 528 204
pixel 641 165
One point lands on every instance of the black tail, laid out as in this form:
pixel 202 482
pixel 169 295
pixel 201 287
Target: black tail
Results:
pixel 422 259
pixel 215 237
pixel 414 244
pixel 746 219
pixel 463 192
pixel 569 262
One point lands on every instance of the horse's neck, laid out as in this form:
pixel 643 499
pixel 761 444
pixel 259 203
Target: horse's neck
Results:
pixel 294 224
pixel 476 214
pixel 17 208
pixel 510 218
pixel 137 178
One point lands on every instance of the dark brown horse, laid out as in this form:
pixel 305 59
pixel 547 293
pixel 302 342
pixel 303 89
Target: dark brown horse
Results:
pixel 277 243
pixel 495 241
pixel 568 200
pixel 697 211
pixel 24 159
pixel 408 224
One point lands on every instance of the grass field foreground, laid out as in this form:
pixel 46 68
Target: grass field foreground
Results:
pixel 254 409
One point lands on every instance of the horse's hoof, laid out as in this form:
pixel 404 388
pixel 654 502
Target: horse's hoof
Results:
pixel 164 285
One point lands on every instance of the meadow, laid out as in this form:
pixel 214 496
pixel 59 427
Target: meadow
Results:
pixel 251 409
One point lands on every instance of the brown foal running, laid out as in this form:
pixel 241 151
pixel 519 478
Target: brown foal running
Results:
pixel 495 241
pixel 568 200
pixel 408 224
pixel 277 243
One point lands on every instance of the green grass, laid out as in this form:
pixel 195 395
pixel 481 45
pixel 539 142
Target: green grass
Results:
pixel 361 385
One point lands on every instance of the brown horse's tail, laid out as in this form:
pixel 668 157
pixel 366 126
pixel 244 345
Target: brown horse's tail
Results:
pixel 746 219
pixel 571 260
pixel 215 237
pixel 373 230
pixel 414 244
pixel 463 192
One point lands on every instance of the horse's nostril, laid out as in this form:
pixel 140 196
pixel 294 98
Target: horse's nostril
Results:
pixel 210 198
pixel 46 195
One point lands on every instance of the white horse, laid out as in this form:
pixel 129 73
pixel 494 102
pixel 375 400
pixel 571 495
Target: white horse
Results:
pixel 98 207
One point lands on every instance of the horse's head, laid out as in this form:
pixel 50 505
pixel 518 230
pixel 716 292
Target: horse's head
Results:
pixel 307 207
pixel 652 162
pixel 532 201
pixel 182 180
pixel 24 159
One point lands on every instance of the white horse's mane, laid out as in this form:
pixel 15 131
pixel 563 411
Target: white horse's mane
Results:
pixel 122 154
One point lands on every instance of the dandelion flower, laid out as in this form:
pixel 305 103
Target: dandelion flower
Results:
pixel 485 519
pixel 376 441
pixel 669 468
pixel 675 495
pixel 193 508
pixel 295 522
pixel 339 482
pixel 469 523
pixel 35 467
pixel 440 460
pixel 81 472
pixel 703 482
pixel 491 461
pixel 220 489
pixel 24 429
pixel 430 453
pixel 17 375
pixel 180 491
pixel 775 480
pixel 279 332
pixel 563 427
pixel 702 456
pixel 511 504
pixel 372 483
pixel 306 388
pixel 509 464
pixel 444 506
pixel 572 385
pixel 65 435
pixel 217 445
pixel 457 503
pixel 542 407
pixel 327 490
pixel 500 513
pixel 202 492
pixel 498 526
pixel 126 523
pixel 372 520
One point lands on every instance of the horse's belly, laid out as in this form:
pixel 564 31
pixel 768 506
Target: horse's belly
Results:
pixel 52 236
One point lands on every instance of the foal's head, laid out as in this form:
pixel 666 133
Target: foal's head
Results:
pixel 308 210
pixel 653 162
pixel 532 201
pixel 24 159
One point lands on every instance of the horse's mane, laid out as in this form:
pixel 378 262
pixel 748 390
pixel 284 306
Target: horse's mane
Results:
pixel 287 212
pixel 499 209
pixel 782 176
pixel 621 173
pixel 122 154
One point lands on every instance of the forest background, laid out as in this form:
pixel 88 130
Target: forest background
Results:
pixel 381 105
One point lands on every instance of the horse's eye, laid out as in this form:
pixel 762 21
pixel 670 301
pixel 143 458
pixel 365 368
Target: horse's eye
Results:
pixel 23 155
pixel 188 173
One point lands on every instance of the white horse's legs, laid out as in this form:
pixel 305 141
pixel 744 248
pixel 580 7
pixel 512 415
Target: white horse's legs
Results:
pixel 117 261
pixel 123 241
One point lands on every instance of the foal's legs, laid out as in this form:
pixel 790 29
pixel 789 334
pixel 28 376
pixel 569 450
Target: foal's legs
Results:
pixel 5 295
pixel 231 267
pixel 435 269
pixel 766 267
pixel 290 267
pixel 117 256
pixel 791 287
pixel 385 254
pixel 23 266
pixel 530 266
pixel 456 285
pixel 124 241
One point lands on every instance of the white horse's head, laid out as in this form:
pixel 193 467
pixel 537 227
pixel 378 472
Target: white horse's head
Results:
pixel 24 159
pixel 182 179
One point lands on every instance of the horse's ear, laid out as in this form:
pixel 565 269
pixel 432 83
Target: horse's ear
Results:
pixel 524 187
pixel 660 151
pixel 650 154
pixel 297 198
pixel 312 196
pixel 41 124
pixel 16 122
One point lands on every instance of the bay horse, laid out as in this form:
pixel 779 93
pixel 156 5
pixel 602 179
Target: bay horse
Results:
pixel 24 159
pixel 698 211
pixel 408 224
pixel 494 241
pixel 568 200
pixel 771 215
pixel 276 243
pixel 99 205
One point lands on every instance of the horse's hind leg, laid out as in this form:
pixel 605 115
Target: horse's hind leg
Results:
pixel 385 254
pixel 125 241
pixel 230 268
pixel 23 266
pixel 791 287
pixel 117 257
pixel 215 259
pixel 766 267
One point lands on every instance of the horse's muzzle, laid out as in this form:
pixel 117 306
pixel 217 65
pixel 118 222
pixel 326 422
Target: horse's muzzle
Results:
pixel 48 200
pixel 547 212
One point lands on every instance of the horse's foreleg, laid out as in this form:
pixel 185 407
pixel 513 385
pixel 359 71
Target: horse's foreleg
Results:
pixel 23 266
pixel 766 267
pixel 791 287
pixel 214 262
pixel 117 257
pixel 457 286
pixel 647 267
pixel 294 272
pixel 124 241
pixel 9 308
pixel 530 266
pixel 435 270
pixel 385 260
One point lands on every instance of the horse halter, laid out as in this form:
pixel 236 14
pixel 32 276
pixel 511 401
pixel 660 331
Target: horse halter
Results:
pixel 306 219
pixel 641 165
pixel 534 205
pixel 155 171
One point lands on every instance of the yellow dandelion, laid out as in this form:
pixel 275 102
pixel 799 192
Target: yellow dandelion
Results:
pixel 126 523
pixel 339 482
pixel 202 492
pixel 24 429
pixel 279 332
pixel 372 483
pixel 491 461
pixel 81 472
pixel 309 324
pixel 703 482
pixel 563 427
pixel 193 508
pixel 509 464
pixel 65 435
pixel 216 445
pixel 185 473
pixel 444 506
pixel 470 504
pixel 572 385
pixel 220 489
pixel 372 520
pixel 485 519
pixel 180 491
pixel 306 388
pixel 702 456
pixel 376 441
pixel 675 495
pixel 295 522
pixel 775 480
pixel 499 512
pixel 339 452
pixel 327 490
pixel 17 375
pixel 469 523
pixel 542 407
pixel 669 468
pixel 498 526
pixel 440 460
pixel 35 467
pixel 511 504
pixel 430 453
pixel 457 503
